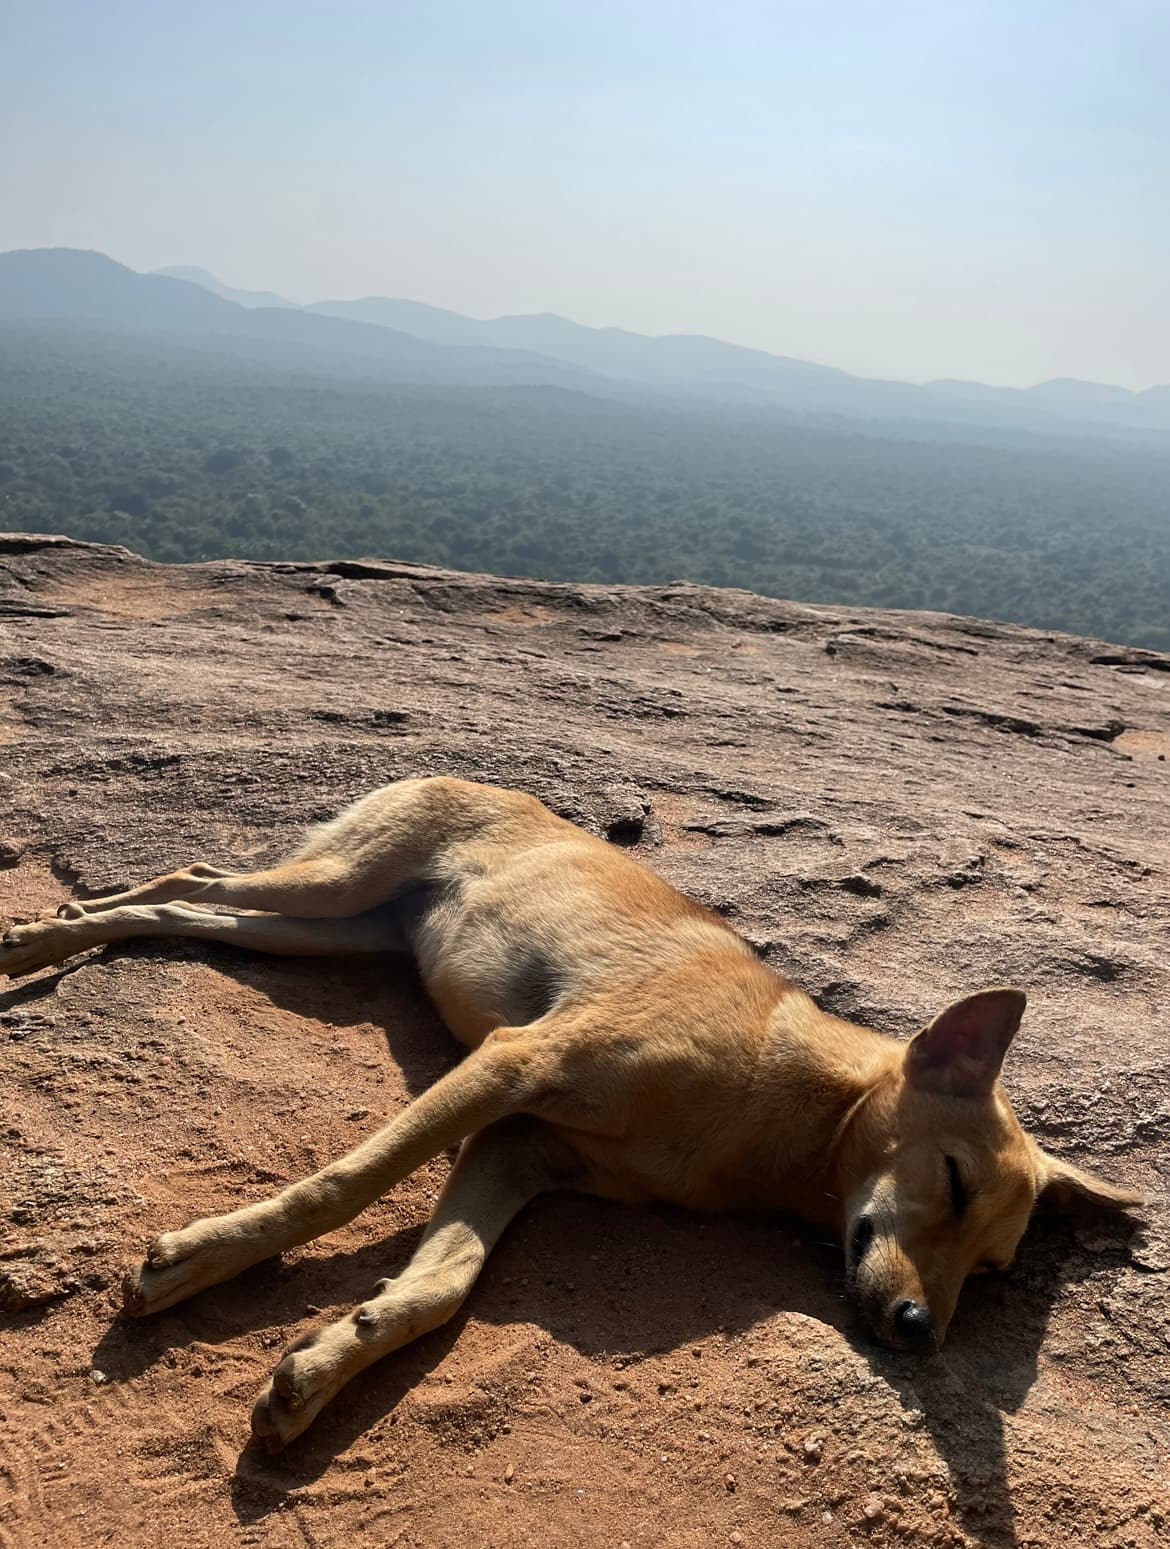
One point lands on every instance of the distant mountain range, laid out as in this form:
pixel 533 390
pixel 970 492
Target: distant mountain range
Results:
pixel 672 358
pixel 67 285
pixel 408 341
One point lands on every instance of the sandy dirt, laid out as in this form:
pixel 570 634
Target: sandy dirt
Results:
pixel 893 808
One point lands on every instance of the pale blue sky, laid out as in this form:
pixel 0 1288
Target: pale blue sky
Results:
pixel 911 188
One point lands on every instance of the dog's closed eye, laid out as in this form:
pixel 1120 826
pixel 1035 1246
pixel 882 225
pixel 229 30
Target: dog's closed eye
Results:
pixel 957 1187
pixel 860 1242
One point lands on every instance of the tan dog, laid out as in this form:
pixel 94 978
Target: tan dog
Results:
pixel 625 1043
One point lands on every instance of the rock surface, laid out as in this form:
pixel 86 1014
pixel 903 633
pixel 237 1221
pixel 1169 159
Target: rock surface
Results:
pixel 894 808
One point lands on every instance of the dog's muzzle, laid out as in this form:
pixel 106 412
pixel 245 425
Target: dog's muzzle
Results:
pixel 908 1324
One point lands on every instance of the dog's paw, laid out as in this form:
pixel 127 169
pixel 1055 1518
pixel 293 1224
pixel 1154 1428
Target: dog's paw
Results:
pixel 274 1424
pixel 301 1386
pixel 25 948
pixel 178 1265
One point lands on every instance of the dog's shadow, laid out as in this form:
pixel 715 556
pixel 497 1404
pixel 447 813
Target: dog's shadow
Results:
pixel 988 1366
pixel 615 1281
pixel 381 991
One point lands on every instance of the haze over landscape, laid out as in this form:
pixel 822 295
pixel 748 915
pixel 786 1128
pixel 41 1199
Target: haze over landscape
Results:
pixel 908 190
pixel 862 307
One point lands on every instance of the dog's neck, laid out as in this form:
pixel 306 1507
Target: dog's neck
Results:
pixel 843 1078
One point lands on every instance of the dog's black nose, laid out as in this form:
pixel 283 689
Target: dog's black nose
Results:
pixel 912 1324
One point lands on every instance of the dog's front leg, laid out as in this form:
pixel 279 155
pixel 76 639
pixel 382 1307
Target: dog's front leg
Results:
pixel 504 1076
pixel 497 1172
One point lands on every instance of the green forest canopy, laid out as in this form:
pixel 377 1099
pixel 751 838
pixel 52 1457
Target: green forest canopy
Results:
pixel 183 455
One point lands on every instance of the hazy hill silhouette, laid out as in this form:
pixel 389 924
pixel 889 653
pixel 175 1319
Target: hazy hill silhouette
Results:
pixel 54 285
pixel 695 363
pixel 615 351
pixel 410 341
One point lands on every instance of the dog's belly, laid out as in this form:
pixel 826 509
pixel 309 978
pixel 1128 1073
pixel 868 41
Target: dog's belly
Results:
pixel 485 985
pixel 481 967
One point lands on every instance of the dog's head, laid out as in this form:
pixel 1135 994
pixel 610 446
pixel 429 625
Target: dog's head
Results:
pixel 953 1178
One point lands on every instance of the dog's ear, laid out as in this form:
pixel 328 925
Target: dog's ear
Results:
pixel 959 1054
pixel 1062 1186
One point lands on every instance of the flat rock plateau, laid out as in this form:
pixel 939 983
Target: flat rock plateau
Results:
pixel 894 808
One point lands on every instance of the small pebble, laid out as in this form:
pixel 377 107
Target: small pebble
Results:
pixel 814 1448
pixel 98 1377
pixel 873 1510
pixel 729 1483
pixel 509 1473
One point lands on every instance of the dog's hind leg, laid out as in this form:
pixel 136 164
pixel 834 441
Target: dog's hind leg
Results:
pixel 315 887
pixel 497 1172
pixel 309 887
pixel 509 1073
pixel 381 844
pixel 26 948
